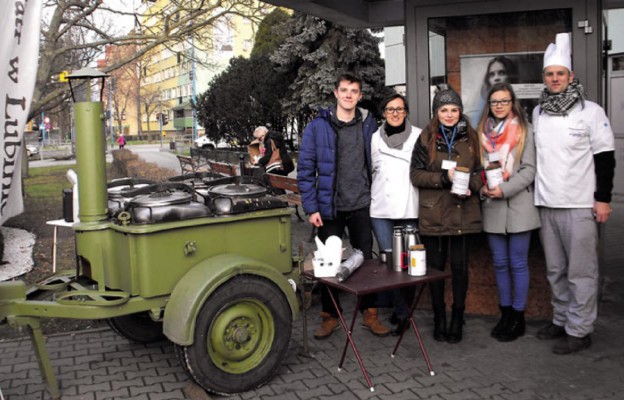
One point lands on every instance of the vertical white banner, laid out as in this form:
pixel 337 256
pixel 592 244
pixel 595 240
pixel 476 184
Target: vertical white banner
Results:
pixel 19 53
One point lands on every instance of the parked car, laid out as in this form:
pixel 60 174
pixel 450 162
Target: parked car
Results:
pixel 205 142
pixel 187 139
pixel 32 150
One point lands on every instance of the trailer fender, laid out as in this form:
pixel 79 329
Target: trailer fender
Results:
pixel 202 280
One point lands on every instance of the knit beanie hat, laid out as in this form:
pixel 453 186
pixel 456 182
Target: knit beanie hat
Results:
pixel 444 97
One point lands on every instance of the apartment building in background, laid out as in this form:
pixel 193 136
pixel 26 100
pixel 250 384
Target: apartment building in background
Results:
pixel 169 78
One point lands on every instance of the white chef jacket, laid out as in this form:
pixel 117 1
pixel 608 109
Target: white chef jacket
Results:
pixel 565 148
pixel 392 194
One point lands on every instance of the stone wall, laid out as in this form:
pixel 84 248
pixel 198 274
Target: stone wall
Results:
pixel 482 293
pixel 482 296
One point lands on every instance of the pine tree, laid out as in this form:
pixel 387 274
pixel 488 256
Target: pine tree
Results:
pixel 319 51
pixel 249 92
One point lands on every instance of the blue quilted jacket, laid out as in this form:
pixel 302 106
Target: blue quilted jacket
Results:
pixel 316 169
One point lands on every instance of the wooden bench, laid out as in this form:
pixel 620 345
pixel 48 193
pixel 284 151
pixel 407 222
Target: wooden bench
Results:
pixel 290 186
pixel 190 165
pixel 222 168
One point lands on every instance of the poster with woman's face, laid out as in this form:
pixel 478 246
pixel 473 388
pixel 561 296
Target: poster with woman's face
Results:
pixel 480 71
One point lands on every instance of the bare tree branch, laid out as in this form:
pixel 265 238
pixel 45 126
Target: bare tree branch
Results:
pixel 75 32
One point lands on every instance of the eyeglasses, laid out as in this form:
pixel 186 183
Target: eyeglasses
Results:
pixel 495 103
pixel 398 110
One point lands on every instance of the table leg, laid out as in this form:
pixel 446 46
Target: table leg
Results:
pixel 54 248
pixel 350 338
pixel 422 347
pixel 416 331
pixel 304 283
pixel 304 311
pixel 353 318
pixel 415 301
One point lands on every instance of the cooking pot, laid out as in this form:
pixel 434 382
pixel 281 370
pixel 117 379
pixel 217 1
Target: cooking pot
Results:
pixel 117 188
pixel 165 202
pixel 240 194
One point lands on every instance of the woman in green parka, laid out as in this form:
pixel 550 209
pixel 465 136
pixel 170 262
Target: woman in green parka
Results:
pixel 447 220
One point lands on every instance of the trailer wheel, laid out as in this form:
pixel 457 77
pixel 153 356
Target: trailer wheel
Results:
pixel 242 334
pixel 179 352
pixel 138 328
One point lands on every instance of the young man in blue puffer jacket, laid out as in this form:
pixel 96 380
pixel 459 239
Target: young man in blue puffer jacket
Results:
pixel 334 179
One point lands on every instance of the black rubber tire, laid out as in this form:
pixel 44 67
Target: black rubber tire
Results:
pixel 138 328
pixel 179 352
pixel 224 362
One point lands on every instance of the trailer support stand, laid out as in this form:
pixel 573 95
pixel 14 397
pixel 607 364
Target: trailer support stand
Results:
pixel 38 341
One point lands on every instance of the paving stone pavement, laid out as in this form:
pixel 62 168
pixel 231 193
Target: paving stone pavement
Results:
pixel 98 364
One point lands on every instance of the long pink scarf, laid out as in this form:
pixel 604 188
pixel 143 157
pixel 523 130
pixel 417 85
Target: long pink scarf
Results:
pixel 502 138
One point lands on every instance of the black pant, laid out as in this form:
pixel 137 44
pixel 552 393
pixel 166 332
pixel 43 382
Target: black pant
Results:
pixel 360 236
pixel 437 248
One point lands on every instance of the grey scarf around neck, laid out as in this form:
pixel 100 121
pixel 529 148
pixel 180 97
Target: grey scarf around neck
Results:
pixel 396 141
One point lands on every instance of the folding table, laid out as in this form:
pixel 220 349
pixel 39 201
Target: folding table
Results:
pixel 56 224
pixel 374 277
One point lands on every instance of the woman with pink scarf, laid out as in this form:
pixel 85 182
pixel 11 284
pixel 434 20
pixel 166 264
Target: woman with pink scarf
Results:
pixel 508 210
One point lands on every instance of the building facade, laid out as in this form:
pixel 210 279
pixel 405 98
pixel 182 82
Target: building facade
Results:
pixel 169 78
pixel 180 73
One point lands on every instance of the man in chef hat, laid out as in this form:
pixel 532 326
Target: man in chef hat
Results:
pixel 573 183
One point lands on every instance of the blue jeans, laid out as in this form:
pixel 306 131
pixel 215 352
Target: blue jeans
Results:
pixel 383 229
pixel 510 253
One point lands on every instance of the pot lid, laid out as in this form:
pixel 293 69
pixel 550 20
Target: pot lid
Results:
pixel 116 191
pixel 162 199
pixel 238 190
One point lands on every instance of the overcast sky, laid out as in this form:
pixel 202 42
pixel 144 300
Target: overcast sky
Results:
pixel 124 23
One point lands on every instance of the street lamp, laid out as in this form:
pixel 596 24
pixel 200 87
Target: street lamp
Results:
pixel 90 145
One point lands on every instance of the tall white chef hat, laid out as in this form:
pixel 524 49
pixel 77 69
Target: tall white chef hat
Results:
pixel 559 53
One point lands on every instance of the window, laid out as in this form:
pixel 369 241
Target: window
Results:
pixel 617 63
pixel 464 51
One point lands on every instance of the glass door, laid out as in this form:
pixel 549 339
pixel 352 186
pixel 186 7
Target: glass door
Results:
pixel 469 47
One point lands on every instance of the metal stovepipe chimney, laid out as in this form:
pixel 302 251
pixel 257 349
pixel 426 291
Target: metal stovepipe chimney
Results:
pixel 90 146
pixel 91 162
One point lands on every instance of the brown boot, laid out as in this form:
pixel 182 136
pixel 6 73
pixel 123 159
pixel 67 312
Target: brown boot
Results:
pixel 371 322
pixel 328 326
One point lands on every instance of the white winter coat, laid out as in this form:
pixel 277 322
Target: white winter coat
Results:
pixel 392 194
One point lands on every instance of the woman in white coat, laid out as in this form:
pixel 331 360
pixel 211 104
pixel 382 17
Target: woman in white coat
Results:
pixel 394 200
pixel 509 213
